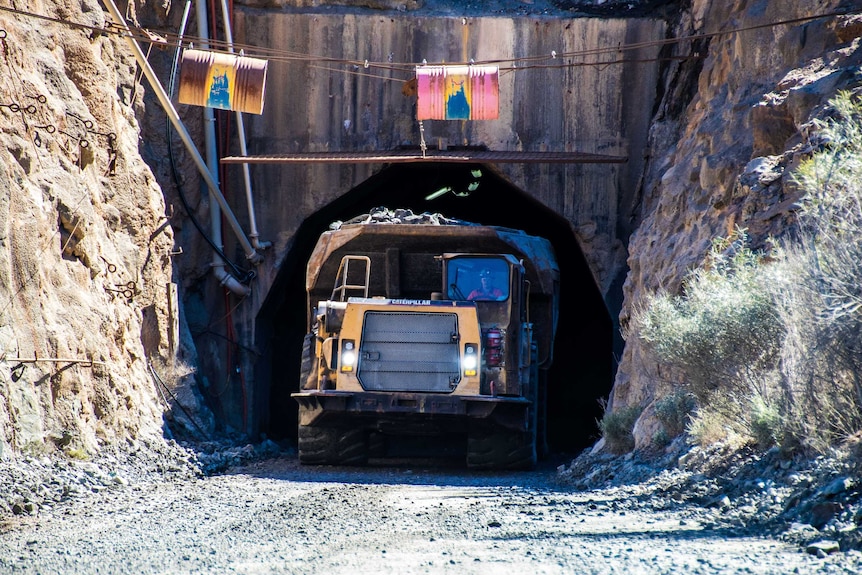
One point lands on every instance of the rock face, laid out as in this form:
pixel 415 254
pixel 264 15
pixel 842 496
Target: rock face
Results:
pixel 722 157
pixel 85 252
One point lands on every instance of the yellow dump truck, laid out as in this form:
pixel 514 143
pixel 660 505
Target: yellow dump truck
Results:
pixel 427 329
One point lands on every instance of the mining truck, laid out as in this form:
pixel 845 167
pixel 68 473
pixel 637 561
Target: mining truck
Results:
pixel 403 341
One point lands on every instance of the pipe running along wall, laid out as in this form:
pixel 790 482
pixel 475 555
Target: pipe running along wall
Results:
pixel 218 264
pixel 251 254
pixel 240 128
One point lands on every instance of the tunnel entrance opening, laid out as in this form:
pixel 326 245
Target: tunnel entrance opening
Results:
pixel 583 368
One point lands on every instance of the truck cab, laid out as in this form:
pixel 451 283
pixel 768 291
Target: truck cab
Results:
pixel 496 283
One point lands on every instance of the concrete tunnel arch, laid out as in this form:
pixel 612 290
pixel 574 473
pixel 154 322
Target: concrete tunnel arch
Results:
pixel 583 369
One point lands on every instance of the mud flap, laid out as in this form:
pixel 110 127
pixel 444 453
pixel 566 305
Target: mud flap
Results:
pixel 307 375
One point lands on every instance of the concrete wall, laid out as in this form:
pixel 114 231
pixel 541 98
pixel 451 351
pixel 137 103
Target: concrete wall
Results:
pixel 316 105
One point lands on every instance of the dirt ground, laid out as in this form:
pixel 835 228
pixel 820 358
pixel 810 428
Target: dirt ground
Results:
pixel 275 516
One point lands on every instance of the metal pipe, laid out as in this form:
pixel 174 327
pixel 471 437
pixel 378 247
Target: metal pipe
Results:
pixel 171 112
pixel 228 281
pixel 211 153
pixel 183 23
pixel 212 160
pixel 240 128
pixel 219 272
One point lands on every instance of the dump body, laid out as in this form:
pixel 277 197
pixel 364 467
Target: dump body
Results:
pixel 404 338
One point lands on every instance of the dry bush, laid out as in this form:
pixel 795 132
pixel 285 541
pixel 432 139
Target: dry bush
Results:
pixel 819 289
pixel 709 427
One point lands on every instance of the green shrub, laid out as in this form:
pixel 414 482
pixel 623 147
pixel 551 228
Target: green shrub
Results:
pixel 616 427
pixel 722 338
pixel 765 424
pixel 674 412
pixel 661 438
pixel 723 331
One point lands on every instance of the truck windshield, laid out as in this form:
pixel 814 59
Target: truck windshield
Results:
pixel 477 279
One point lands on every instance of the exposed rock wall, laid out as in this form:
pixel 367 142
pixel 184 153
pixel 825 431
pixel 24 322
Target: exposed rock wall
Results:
pixel 85 249
pixel 722 156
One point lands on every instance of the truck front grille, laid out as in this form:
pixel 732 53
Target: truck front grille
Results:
pixel 404 351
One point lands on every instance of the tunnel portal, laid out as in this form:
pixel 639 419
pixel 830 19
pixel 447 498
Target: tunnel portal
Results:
pixel 582 371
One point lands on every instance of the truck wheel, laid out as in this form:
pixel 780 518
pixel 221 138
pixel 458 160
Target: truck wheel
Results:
pixel 332 446
pixel 501 449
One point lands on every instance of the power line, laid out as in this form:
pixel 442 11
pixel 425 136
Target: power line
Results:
pixel 166 39
pixel 516 63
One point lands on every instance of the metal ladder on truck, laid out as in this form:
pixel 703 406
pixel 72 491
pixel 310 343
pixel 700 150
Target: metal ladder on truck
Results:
pixel 342 283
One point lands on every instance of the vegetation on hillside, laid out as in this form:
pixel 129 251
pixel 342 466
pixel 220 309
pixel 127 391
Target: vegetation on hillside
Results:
pixel 769 345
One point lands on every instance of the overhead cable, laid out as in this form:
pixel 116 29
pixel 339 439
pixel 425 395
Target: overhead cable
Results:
pixel 520 63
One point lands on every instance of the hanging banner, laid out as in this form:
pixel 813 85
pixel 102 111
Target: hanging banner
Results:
pixel 458 93
pixel 223 81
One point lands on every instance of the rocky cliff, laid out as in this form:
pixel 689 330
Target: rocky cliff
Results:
pixel 85 246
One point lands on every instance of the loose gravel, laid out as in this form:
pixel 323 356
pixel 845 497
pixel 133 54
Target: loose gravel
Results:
pixel 160 509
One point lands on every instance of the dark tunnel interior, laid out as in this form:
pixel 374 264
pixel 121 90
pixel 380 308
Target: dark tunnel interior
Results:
pixel 583 368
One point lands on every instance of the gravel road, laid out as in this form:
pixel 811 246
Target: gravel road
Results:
pixel 275 516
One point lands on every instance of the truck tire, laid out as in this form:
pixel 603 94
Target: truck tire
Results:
pixel 501 449
pixel 332 446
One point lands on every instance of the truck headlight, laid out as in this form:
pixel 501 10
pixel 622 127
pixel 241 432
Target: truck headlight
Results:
pixel 348 355
pixel 470 361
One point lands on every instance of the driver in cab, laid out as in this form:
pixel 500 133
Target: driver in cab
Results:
pixel 486 291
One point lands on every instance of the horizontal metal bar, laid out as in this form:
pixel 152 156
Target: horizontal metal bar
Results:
pixel 406 156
